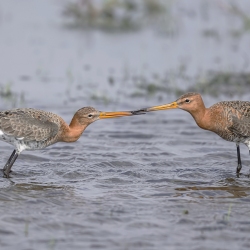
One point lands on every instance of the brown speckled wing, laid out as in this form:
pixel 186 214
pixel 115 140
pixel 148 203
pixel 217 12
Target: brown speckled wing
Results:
pixel 243 107
pixel 29 124
pixel 240 126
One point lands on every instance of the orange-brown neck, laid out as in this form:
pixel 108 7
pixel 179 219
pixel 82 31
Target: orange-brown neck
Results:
pixel 203 119
pixel 201 116
pixel 73 132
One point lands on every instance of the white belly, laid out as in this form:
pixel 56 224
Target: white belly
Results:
pixel 20 144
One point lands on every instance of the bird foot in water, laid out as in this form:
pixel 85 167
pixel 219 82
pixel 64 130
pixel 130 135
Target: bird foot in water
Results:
pixel 238 174
pixel 5 175
pixel 238 168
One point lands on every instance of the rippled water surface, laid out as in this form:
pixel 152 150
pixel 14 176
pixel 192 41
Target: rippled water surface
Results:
pixel 154 181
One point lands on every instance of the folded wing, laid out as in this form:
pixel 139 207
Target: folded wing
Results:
pixel 240 126
pixel 28 126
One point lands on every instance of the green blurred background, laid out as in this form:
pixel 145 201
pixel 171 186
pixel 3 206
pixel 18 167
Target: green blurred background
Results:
pixel 125 52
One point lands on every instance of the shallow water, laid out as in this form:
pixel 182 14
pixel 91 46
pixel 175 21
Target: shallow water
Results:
pixel 153 181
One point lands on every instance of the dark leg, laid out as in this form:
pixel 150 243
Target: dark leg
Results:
pixel 8 162
pixel 239 160
pixel 8 168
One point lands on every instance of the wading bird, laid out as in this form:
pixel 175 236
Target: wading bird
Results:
pixel 31 129
pixel 228 119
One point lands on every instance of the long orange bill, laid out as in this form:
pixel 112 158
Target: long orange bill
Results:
pixel 172 105
pixel 105 115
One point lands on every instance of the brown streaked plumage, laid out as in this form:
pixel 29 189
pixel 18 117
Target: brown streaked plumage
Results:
pixel 229 119
pixel 31 129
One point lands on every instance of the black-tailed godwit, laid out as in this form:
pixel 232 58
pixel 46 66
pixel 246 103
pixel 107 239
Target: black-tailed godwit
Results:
pixel 31 129
pixel 228 119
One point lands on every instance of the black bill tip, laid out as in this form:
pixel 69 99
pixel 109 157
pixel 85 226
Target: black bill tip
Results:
pixel 139 111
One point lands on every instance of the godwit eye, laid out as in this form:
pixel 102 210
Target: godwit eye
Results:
pixel 187 100
pixel 90 115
